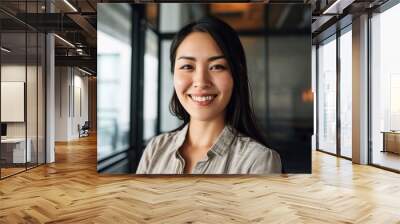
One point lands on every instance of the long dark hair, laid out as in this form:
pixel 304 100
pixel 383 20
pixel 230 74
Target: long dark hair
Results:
pixel 239 113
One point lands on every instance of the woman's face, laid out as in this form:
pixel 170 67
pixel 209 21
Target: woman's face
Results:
pixel 202 77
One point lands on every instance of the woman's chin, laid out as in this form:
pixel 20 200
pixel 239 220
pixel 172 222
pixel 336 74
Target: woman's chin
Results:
pixel 202 117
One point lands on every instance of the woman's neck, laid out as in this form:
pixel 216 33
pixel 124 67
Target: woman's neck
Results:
pixel 203 134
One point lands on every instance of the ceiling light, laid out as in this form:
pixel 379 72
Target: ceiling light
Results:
pixel 64 40
pixel 5 50
pixel 84 71
pixel 329 9
pixel 338 6
pixel 79 51
pixel 70 5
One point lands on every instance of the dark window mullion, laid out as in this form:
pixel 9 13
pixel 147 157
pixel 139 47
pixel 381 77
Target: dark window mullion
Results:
pixel 338 98
pixel 159 54
pixel 317 97
pixel 26 87
pixel 136 119
pixel 369 90
pixel 37 93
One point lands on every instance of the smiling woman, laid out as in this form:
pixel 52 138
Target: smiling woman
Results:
pixel 202 78
pixel 212 97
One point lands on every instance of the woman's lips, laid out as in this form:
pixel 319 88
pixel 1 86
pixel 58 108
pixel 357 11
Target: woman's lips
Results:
pixel 202 100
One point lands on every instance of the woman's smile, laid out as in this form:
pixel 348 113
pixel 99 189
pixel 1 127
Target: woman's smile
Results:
pixel 202 100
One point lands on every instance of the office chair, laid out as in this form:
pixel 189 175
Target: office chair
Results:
pixel 84 130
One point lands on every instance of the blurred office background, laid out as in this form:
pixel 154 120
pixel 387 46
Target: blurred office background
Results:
pixel 48 83
pixel 22 78
pixel 135 84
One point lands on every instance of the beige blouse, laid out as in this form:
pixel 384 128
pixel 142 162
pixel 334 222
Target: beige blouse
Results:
pixel 228 155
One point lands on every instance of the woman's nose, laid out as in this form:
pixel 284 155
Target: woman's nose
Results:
pixel 201 78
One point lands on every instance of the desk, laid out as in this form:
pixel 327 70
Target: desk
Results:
pixel 13 150
pixel 391 141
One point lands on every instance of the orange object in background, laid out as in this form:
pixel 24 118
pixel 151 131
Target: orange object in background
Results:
pixel 307 96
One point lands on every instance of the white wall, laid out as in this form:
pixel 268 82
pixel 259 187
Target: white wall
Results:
pixel 12 100
pixel 71 87
pixel 17 73
pixel 61 103
pixel 33 125
pixel 79 117
pixel 12 73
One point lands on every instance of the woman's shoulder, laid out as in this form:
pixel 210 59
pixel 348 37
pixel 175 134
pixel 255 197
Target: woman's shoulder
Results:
pixel 163 138
pixel 262 159
pixel 157 149
pixel 249 145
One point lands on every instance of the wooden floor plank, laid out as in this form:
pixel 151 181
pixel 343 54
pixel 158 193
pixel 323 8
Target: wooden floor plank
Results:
pixel 71 191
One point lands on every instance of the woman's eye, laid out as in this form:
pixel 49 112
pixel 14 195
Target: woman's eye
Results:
pixel 218 67
pixel 186 67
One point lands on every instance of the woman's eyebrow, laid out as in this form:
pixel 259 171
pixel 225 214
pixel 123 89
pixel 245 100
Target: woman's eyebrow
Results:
pixel 187 58
pixel 216 58
pixel 213 58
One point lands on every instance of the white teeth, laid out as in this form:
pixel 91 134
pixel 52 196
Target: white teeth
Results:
pixel 202 98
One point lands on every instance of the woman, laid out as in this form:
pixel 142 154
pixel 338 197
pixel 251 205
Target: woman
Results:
pixel 219 134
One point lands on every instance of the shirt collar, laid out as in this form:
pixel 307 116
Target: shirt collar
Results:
pixel 220 147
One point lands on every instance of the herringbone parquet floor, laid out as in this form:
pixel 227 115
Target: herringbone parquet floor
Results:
pixel 71 191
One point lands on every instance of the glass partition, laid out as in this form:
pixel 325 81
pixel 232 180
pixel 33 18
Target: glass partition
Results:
pixel 346 93
pixel 150 95
pixel 327 96
pixel 168 122
pixel 385 89
pixel 31 99
pixel 256 56
pixel 114 76
pixel 22 91
pixel 15 151
pixel 41 97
